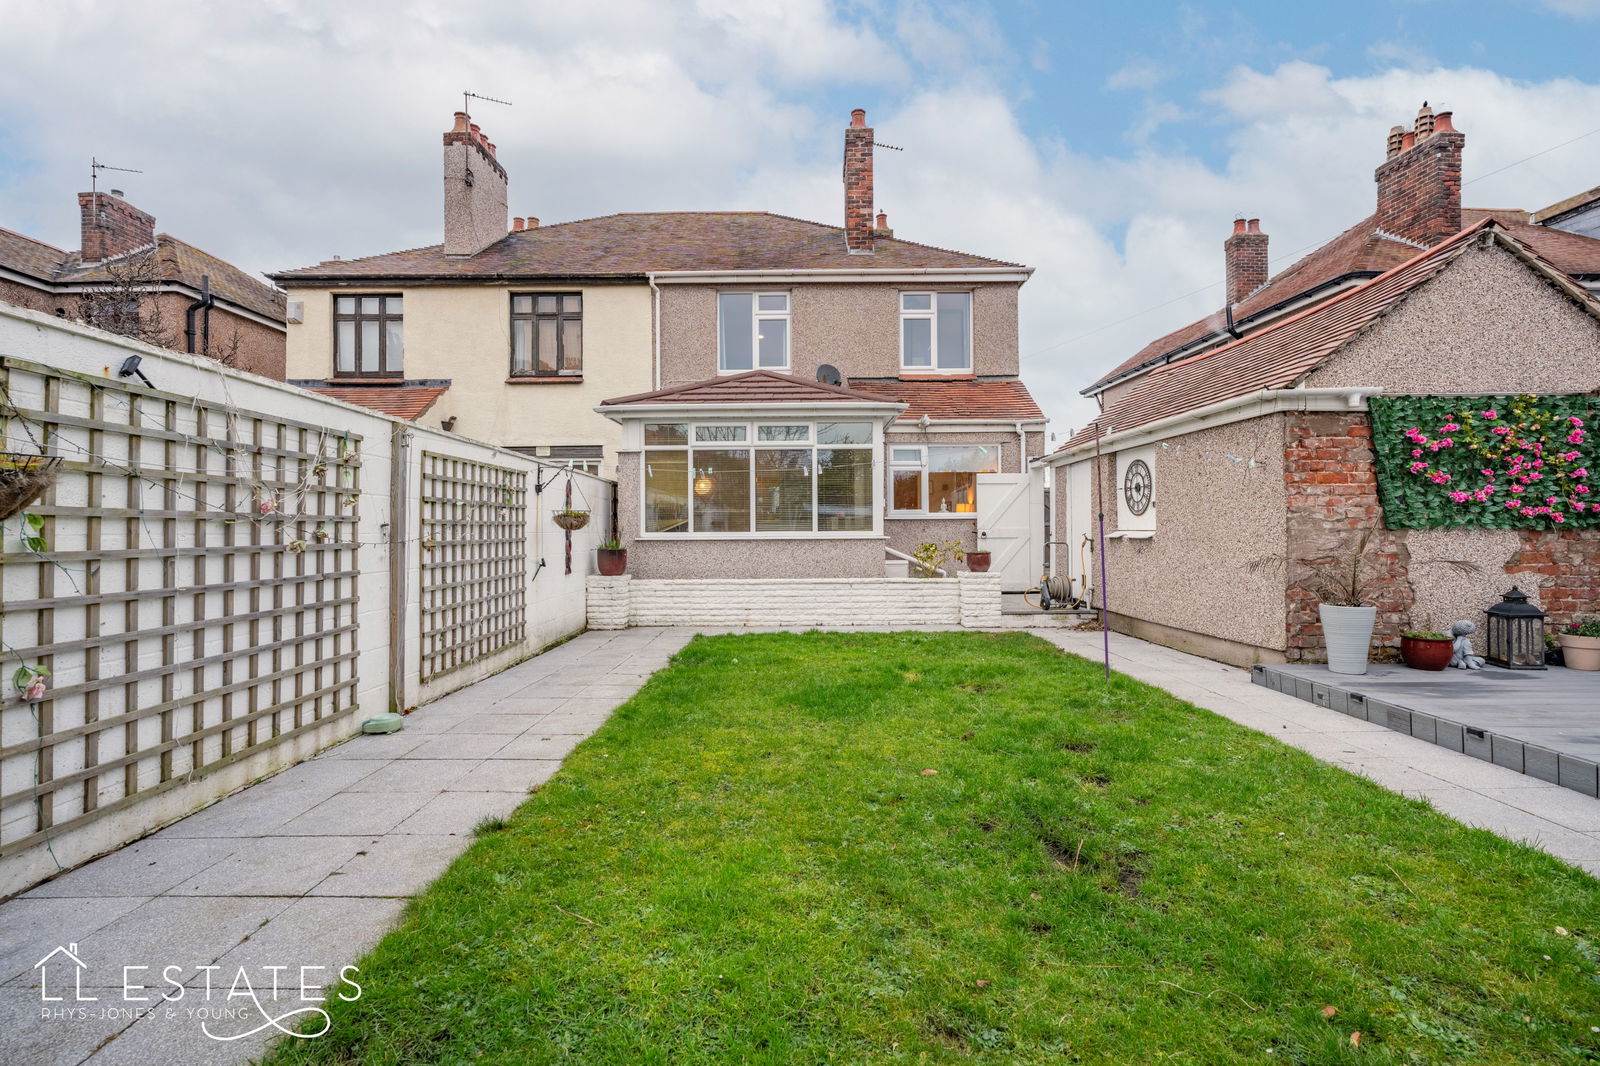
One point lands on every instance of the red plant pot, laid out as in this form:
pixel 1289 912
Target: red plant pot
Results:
pixel 612 561
pixel 978 562
pixel 1425 654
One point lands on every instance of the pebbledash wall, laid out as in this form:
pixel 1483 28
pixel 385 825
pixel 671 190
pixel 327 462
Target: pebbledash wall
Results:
pixel 969 600
pixel 196 643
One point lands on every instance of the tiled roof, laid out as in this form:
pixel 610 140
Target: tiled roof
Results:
pixel 409 402
pixel 1360 250
pixel 755 386
pixel 634 244
pixel 1571 203
pixel 28 256
pixel 956 401
pixel 1277 356
pixel 1570 253
pixel 182 262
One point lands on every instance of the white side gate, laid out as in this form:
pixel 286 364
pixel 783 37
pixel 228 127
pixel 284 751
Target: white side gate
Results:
pixel 1011 526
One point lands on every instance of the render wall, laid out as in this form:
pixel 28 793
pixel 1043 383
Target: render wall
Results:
pixel 462 333
pixel 854 327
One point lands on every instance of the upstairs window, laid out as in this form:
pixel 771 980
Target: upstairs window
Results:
pixel 936 332
pixel 368 339
pixel 752 331
pixel 546 334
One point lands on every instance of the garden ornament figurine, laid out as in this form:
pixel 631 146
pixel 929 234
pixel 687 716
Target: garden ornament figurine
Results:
pixel 1461 656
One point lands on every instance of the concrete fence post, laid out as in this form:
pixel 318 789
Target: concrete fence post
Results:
pixel 610 602
pixel 980 600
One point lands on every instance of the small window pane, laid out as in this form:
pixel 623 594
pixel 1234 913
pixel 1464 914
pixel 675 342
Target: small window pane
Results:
pixel 844 489
pixel 345 347
pixel 844 432
pixel 773 302
pixel 547 345
pixel 801 432
pixel 954 492
pixel 369 346
pixel 953 315
pixel 917 338
pixel 916 301
pixel 521 347
pixel 773 338
pixel 391 305
pixel 572 304
pixel 734 314
pixel 722 490
pixel 905 455
pixel 783 489
pixel 719 433
pixel 522 305
pixel 665 433
pixel 394 346
pixel 973 458
pixel 371 304
pixel 345 305
pixel 546 305
pixel 571 345
pixel 907 491
pixel 666 492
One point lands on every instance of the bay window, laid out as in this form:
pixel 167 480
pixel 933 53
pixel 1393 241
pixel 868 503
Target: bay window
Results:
pixel 936 332
pixel 752 331
pixel 939 478
pixel 762 478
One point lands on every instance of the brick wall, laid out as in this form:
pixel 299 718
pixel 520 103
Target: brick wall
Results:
pixel 1419 190
pixel 112 226
pixel 1245 259
pixel 1567 564
pixel 1332 497
pixel 858 184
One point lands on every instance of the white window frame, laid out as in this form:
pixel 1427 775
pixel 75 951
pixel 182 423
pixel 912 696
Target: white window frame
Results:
pixel 921 465
pixel 753 443
pixel 757 316
pixel 931 315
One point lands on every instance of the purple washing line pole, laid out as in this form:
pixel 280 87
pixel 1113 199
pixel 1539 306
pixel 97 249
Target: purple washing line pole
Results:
pixel 1100 508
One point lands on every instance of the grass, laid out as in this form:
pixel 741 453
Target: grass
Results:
pixel 952 848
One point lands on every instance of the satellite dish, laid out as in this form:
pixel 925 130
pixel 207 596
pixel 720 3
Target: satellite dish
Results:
pixel 829 374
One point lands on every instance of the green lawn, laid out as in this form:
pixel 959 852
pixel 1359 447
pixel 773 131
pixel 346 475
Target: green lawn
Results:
pixel 751 863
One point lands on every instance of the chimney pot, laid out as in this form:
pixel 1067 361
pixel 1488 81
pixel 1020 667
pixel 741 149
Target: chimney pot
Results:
pixel 1408 140
pixel 516 225
pixel 1442 122
pixel 858 118
pixel 1238 225
pixel 533 223
pixel 1396 136
pixel 1424 124
pixel 462 122
pixel 1253 226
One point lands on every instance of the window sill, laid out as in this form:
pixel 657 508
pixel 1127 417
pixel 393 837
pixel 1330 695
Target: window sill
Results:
pixel 1132 534
pixel 907 374
pixel 923 516
pixel 775 369
pixel 362 379
pixel 552 379
pixel 779 535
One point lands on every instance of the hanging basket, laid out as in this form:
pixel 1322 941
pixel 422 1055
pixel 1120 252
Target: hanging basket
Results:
pixel 571 520
pixel 23 479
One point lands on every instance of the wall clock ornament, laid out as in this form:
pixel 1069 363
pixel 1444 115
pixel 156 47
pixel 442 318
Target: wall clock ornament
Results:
pixel 1138 487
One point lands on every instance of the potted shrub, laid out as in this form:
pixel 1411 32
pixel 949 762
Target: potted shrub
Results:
pixel 1425 649
pixel 978 560
pixel 933 560
pixel 612 558
pixel 1340 582
pixel 1580 645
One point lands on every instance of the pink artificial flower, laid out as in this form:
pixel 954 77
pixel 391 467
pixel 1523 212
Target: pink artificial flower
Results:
pixel 1557 517
pixel 36 688
pixel 1449 427
pixel 1416 453
pixel 1580 488
pixel 1516 488
pixel 1575 437
pixel 268 506
pixel 1502 430
pixel 1491 413
pixel 1439 477
pixel 1575 420
pixel 1579 505
pixel 1418 467
pixel 1459 496
pixel 1582 471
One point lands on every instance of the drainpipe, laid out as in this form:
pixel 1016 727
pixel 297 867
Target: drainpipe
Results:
pixel 204 303
pixel 1022 449
pixel 655 291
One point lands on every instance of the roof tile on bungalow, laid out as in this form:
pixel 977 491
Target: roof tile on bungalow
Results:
pixel 651 242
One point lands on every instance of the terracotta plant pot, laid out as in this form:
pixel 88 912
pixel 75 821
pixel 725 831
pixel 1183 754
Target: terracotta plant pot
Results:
pixel 612 561
pixel 1422 654
pixel 1580 653
pixel 1348 634
pixel 978 562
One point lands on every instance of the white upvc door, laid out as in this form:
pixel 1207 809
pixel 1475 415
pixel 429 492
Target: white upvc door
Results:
pixel 1007 504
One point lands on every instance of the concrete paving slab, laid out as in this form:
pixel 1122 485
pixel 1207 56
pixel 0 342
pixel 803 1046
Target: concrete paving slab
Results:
pixel 533 746
pixel 29 1040
pixel 375 746
pixel 457 813
pixel 393 865
pixel 275 866
pixel 416 775
pixel 458 746
pixel 331 932
pixel 176 1033
pixel 35 926
pixel 507 775
pixel 356 813
pixel 146 867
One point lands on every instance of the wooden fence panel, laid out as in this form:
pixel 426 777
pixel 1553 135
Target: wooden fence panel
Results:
pixel 193 600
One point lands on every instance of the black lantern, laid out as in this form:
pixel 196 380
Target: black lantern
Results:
pixel 1516 633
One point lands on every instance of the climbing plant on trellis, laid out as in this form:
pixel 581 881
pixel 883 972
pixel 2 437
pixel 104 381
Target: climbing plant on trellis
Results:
pixel 1494 462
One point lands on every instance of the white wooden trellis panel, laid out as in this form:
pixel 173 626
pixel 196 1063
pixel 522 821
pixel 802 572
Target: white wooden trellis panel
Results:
pixel 474 561
pixel 182 629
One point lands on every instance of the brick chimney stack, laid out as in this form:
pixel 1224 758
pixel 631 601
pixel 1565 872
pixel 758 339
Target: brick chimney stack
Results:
pixel 475 214
pixel 1419 183
pixel 111 226
pixel 1245 259
pixel 858 229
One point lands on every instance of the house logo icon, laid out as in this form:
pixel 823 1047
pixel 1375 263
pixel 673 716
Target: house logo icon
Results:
pixel 71 958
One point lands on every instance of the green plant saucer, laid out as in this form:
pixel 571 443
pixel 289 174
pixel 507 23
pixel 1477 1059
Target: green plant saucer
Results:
pixel 383 723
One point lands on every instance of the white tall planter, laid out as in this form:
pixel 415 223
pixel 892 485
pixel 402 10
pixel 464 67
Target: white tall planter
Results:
pixel 1348 633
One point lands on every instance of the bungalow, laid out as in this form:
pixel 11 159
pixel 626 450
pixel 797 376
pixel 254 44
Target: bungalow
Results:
pixel 1235 457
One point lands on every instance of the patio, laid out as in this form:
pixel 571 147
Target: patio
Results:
pixel 1543 723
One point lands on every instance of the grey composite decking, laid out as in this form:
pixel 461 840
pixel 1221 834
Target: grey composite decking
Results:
pixel 1544 723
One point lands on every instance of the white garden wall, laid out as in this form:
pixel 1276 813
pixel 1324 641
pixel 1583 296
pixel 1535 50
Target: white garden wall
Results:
pixel 971 600
pixel 196 642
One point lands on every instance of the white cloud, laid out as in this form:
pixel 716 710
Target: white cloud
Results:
pixel 280 134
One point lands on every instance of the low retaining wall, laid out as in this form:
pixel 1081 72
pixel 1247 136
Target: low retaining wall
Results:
pixel 970 600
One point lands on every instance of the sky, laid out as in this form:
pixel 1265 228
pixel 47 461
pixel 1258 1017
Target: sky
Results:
pixel 1107 146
